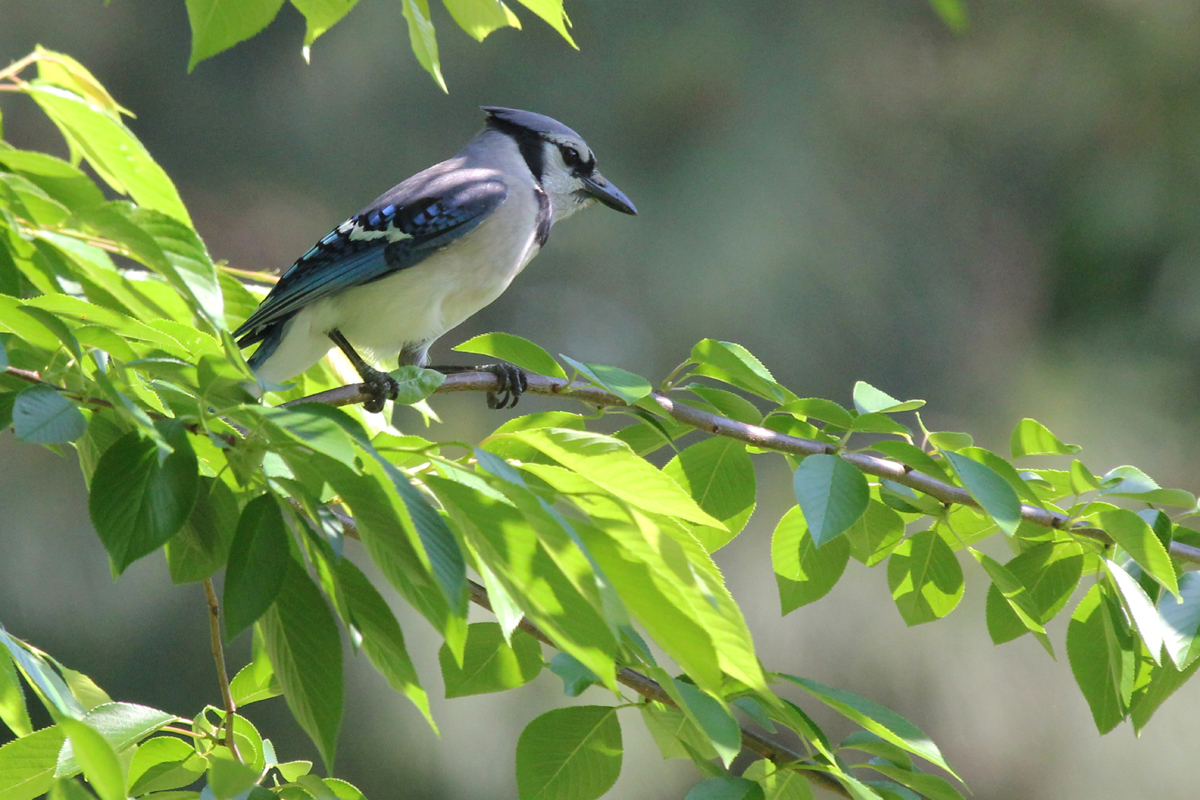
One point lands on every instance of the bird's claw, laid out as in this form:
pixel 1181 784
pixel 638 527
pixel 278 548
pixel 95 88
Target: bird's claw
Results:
pixel 381 387
pixel 513 384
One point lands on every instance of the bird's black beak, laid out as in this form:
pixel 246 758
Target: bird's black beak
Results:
pixel 597 186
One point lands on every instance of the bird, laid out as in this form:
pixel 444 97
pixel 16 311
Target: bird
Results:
pixel 427 254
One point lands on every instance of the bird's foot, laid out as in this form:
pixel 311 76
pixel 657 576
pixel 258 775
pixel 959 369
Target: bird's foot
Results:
pixel 380 386
pixel 513 384
pixel 512 380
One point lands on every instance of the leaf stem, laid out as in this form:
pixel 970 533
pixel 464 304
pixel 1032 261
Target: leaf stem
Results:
pixel 218 651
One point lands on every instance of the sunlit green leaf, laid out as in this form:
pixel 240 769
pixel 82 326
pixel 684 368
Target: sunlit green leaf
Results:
pixel 1132 533
pixel 320 16
pixel 220 24
pixel 804 572
pixel 423 38
pixel 1181 620
pixel 925 578
pixel 726 787
pixel 719 475
pixel 490 664
pixel 614 380
pixel 569 754
pixel 875 718
pixel 1095 648
pixel 515 350
pixel 1032 438
pixel 27 764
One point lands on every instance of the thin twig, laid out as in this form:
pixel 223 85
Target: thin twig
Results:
pixel 218 651
pixel 650 689
pixel 750 434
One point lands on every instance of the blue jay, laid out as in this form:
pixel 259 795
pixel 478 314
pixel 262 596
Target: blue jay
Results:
pixel 429 253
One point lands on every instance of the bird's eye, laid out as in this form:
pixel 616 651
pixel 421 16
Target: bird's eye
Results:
pixel 570 157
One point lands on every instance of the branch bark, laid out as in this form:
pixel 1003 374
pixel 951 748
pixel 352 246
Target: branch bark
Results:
pixel 218 651
pixel 750 434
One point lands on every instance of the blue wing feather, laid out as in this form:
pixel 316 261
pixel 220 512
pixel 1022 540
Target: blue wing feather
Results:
pixel 397 231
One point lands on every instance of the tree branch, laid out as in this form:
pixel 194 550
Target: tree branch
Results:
pixel 750 434
pixel 758 744
pixel 214 626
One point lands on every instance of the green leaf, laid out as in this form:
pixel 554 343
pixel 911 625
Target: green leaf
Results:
pixel 489 663
pixel 423 38
pixel 1032 438
pixel 96 757
pixel 672 730
pixel 882 722
pixel 779 783
pixel 220 24
pixel 735 365
pixel 480 17
pixel 186 264
pixel 575 675
pixel 1081 478
pixel 1181 620
pixel 27 764
pixel 228 778
pixel 820 409
pixel 1148 697
pixel 726 787
pixel 833 495
pixel 1132 482
pixel 953 13
pixel 1137 538
pixel 711 715
pixel 614 380
pixel 50 687
pixel 1049 572
pixel 138 502
pixel 728 404
pixel 950 440
pixel 258 564
pixel 121 725
pixel 1014 593
pixel 83 688
pixel 719 475
pixel 202 546
pixel 13 710
pixel 552 12
pixel 804 572
pixel 382 639
pixel 930 786
pixel 877 531
pixel 255 681
pixel 416 383
pixel 41 415
pixel 438 543
pixel 569 754
pixel 869 400
pixel 320 16
pixel 515 350
pixel 163 763
pixel 1141 610
pixel 613 466
pixel 1096 650
pixel 302 640
pixel 925 578
pixel 65 183
pixel 990 490
pixel 111 149
pixel 313 426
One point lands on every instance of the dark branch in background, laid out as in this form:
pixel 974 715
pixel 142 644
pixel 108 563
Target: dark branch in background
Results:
pixel 214 626
pixel 750 434
pixel 778 754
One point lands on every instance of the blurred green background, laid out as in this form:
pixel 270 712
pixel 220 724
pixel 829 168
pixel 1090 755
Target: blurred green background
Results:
pixel 1005 223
